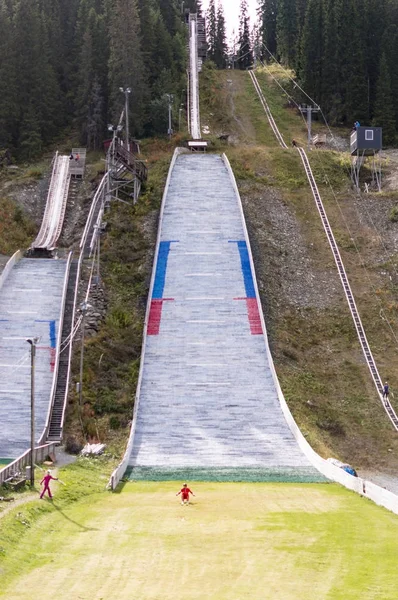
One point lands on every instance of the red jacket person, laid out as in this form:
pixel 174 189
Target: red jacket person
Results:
pixel 185 491
pixel 46 480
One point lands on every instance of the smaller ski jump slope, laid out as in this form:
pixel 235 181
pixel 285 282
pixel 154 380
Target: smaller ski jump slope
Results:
pixel 30 303
pixel 208 406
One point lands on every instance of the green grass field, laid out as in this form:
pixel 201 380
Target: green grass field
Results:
pixel 236 541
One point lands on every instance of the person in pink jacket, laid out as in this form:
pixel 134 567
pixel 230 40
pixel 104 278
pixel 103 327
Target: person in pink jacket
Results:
pixel 46 480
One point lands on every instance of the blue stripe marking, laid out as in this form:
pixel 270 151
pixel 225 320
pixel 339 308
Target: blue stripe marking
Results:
pixel 246 268
pixel 161 268
pixel 53 338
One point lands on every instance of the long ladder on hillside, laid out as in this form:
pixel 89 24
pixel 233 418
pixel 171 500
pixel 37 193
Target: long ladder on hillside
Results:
pixel 370 361
pixel 267 110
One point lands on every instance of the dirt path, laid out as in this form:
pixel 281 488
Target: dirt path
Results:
pixel 6 507
pixel 244 130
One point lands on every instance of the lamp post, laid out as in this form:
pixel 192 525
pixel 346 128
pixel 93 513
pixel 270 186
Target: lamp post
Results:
pixel 170 98
pixel 127 91
pixel 83 310
pixel 32 342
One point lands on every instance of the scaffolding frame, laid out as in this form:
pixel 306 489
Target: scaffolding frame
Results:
pixel 371 159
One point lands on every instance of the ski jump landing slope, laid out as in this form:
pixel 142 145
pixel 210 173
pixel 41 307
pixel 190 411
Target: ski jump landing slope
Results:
pixel 207 405
pixel 30 305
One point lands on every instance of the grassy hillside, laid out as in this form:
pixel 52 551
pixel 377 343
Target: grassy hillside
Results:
pixel 258 541
pixel 112 356
pixel 318 357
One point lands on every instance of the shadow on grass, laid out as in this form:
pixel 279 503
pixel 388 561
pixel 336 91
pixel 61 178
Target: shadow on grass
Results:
pixel 82 527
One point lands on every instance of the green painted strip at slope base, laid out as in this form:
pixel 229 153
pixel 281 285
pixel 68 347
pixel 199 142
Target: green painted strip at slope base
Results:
pixel 248 474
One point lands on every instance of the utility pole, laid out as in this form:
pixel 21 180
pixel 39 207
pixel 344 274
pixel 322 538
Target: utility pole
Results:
pixel 83 309
pixel 127 91
pixel 170 98
pixel 32 342
pixel 309 110
pixel 234 49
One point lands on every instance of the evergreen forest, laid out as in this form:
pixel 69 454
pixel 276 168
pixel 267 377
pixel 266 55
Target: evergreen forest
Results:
pixel 344 52
pixel 63 64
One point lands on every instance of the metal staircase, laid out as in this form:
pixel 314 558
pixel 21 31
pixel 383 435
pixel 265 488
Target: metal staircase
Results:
pixel 61 390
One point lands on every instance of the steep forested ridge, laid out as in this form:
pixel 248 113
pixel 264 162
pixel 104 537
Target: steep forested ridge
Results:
pixel 345 53
pixel 63 62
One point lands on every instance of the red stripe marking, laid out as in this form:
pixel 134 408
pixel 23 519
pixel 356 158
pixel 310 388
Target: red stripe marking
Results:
pixel 253 313
pixel 155 316
pixel 254 316
pixel 53 354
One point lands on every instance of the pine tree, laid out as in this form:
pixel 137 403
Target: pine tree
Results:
pixel 245 55
pixel 126 64
pixel 90 97
pixel 332 56
pixel 221 48
pixel 211 31
pixel 375 23
pixel 389 47
pixel 95 116
pixel 8 81
pixel 170 10
pixel 268 16
pixel 355 91
pixel 312 50
pixel 147 10
pixel 38 90
pixel 287 31
pixel 384 115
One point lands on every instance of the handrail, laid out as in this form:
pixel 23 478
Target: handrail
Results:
pixel 44 224
pixel 63 207
pixel 70 345
pixel 83 241
pixel 139 166
pixel 55 206
pixel 16 257
pixel 91 212
pixel 370 361
pixel 59 340
pixel 41 452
